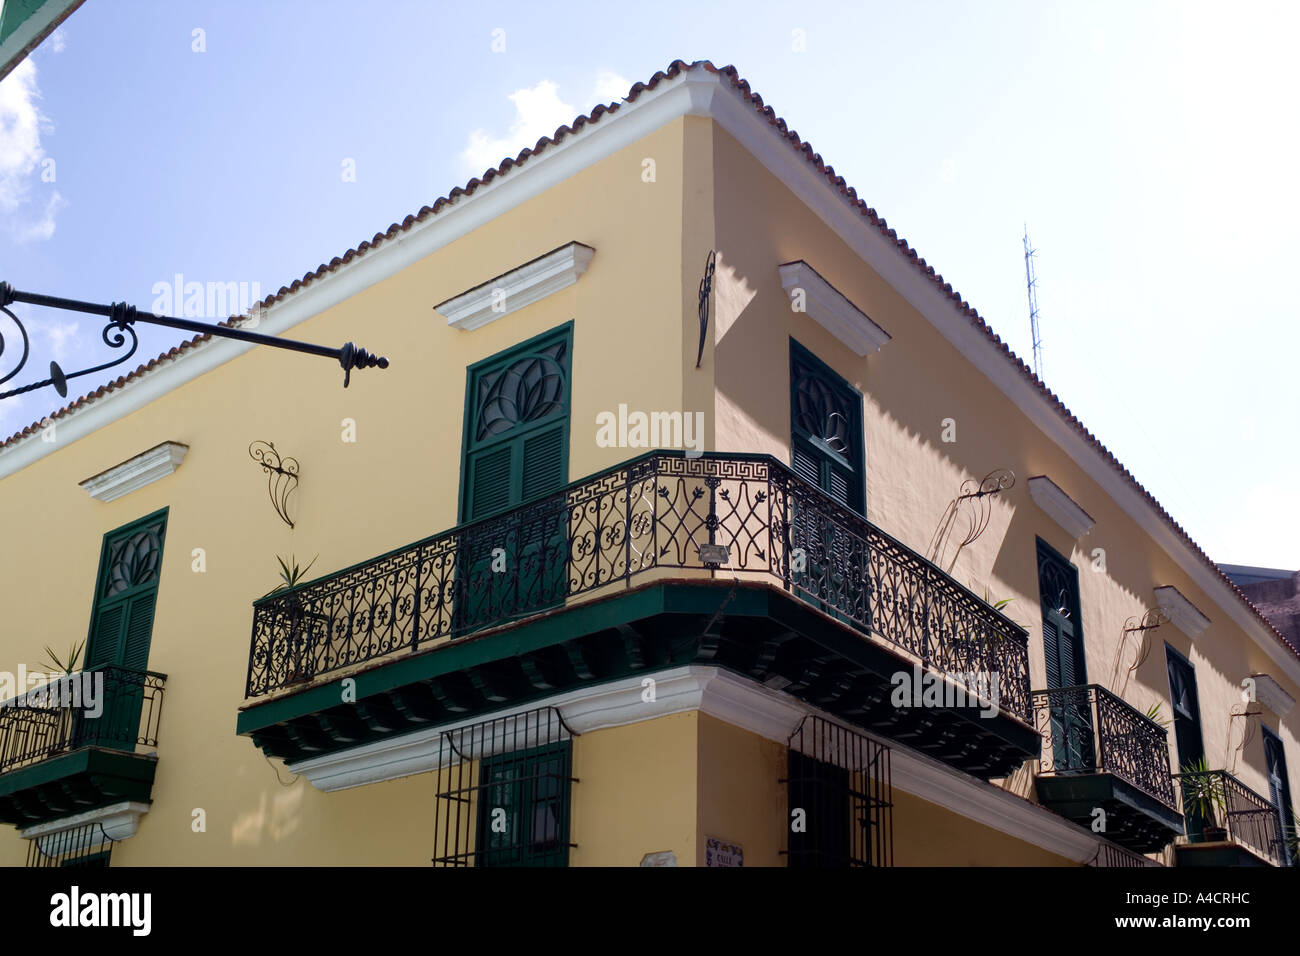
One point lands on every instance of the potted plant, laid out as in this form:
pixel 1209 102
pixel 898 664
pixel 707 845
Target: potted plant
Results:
pixel 299 651
pixel 65 666
pixel 1204 801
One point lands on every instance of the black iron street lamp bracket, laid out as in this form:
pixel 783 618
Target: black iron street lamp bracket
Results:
pixel 119 331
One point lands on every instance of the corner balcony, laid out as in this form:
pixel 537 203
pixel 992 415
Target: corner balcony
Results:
pixel 1100 754
pixel 727 560
pixel 70 746
pixel 1228 823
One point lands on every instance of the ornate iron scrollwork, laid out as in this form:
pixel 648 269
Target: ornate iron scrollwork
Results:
pixel 115 336
pixel 1142 626
pixel 121 317
pixel 706 286
pixel 282 476
pixel 975 501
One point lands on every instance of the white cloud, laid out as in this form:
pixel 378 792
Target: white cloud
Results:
pixel 14 413
pixel 611 87
pixel 60 335
pixel 58 41
pixel 21 153
pixel 539 112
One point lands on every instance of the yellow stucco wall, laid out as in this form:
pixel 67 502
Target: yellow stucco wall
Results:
pixel 741 800
pixel 909 387
pixel 398 482
pixel 929 835
pixel 662 785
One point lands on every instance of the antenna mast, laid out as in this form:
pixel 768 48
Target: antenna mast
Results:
pixel 1031 279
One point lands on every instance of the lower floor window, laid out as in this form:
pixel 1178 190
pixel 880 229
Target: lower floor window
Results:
pixel 83 847
pixel 504 789
pixel 839 798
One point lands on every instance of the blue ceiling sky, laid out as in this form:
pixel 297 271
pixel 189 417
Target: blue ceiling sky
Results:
pixel 1149 147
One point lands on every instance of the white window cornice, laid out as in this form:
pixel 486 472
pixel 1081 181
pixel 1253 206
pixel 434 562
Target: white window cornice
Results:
pixel 134 473
pixel 1272 695
pixel 520 287
pixel 1184 615
pixel 117 822
pixel 1060 507
pixel 831 309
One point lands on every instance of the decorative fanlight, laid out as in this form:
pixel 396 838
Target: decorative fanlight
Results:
pixel 281 476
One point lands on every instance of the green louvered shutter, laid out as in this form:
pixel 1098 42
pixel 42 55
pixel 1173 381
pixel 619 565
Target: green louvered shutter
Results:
pixel 126 593
pixel 489 474
pixel 544 462
pixel 1071 717
pixel 1279 793
pixel 826 429
pixel 826 452
pixel 515 451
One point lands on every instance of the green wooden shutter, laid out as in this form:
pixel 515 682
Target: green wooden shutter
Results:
pixel 1279 792
pixel 121 628
pixel 1071 716
pixel 826 429
pixel 533 787
pixel 515 450
pixel 543 462
pixel 139 630
pixel 1051 653
pixel 1186 708
pixel 106 635
pixel 1058 587
pixel 516 433
pixel 489 473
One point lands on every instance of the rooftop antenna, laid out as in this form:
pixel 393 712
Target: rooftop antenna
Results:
pixel 1031 279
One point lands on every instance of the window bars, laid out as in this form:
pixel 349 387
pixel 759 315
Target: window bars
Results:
pixel 85 846
pixel 840 798
pixel 1113 855
pixel 503 792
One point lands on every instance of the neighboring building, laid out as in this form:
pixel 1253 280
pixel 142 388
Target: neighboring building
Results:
pixel 1275 592
pixel 25 23
pixel 620 651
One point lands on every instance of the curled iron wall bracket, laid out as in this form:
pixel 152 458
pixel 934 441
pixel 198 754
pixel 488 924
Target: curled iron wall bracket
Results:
pixel 121 317
pixel 281 476
pixel 706 286
pixel 975 501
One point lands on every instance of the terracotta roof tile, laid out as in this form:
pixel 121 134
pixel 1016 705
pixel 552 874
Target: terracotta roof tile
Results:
pixel 742 86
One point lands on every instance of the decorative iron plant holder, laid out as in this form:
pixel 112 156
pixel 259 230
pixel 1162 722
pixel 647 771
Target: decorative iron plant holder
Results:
pixel 281 476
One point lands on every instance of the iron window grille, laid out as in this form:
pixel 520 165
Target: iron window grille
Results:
pixel 1113 855
pixel 839 798
pixel 504 789
pixel 85 847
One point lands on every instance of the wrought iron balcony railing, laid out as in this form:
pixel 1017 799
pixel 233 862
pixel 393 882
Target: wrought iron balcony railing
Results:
pixel 1088 730
pixel 1215 800
pixel 107 706
pixel 747 515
